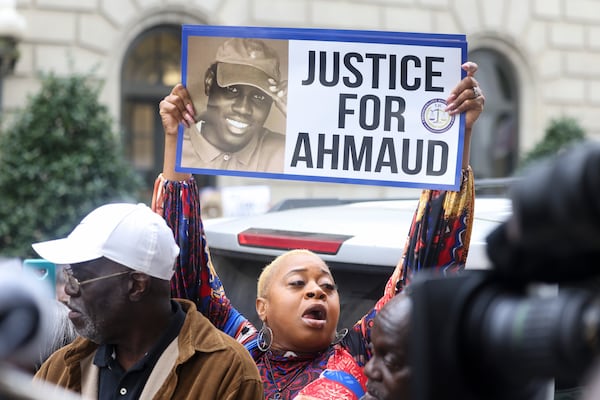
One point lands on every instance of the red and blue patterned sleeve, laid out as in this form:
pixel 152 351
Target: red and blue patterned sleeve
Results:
pixel 195 278
pixel 438 239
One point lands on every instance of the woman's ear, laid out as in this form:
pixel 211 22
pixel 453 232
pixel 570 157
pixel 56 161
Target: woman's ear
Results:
pixel 261 308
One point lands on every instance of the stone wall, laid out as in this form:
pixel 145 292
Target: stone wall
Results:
pixel 554 44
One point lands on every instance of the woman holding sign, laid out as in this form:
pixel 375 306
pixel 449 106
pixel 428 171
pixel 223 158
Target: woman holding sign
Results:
pixel 297 297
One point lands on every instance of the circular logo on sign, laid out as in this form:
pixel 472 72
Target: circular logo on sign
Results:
pixel 434 118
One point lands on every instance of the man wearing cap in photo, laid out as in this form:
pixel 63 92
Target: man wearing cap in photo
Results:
pixel 241 86
pixel 135 341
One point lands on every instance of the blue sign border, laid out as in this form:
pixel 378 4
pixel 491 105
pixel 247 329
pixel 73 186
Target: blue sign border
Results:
pixel 336 35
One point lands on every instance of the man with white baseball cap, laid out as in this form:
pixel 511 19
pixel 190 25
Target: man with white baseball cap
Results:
pixel 128 234
pixel 137 342
pixel 241 86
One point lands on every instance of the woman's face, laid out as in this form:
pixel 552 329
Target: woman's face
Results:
pixel 301 305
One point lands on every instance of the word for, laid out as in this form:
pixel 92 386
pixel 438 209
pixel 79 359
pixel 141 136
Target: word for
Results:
pixel 369 115
pixel 344 153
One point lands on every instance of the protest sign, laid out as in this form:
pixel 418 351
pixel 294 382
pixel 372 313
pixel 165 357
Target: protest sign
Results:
pixel 361 107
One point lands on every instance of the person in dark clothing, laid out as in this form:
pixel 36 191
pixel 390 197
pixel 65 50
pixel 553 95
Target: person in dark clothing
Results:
pixel 135 341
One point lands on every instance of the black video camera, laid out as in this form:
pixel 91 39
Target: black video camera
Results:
pixel 484 334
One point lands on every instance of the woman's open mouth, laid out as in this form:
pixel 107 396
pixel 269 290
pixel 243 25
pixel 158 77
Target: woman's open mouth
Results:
pixel 315 316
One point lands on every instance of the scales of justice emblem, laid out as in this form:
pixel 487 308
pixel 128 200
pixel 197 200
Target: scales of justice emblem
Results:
pixel 434 118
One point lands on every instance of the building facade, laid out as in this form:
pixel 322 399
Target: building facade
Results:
pixel 539 60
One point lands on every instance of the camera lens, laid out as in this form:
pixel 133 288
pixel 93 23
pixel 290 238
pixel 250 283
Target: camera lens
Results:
pixel 527 337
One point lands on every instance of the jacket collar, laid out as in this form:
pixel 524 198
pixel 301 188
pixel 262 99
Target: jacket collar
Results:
pixel 210 153
pixel 197 333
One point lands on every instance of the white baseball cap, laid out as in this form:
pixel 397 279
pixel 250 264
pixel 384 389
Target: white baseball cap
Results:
pixel 129 234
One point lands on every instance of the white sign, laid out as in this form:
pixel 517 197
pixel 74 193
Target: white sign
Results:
pixel 323 105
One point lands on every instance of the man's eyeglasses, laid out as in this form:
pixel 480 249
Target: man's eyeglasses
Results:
pixel 73 285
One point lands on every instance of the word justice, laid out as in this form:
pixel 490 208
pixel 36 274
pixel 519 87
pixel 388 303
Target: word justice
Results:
pixel 410 72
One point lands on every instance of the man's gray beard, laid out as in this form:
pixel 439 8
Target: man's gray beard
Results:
pixel 60 333
pixel 90 331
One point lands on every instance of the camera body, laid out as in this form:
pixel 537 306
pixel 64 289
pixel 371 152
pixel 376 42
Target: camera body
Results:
pixel 476 336
pixel 26 316
pixel 483 334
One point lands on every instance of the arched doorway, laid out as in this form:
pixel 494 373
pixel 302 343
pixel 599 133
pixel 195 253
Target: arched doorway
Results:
pixel 150 69
pixel 495 140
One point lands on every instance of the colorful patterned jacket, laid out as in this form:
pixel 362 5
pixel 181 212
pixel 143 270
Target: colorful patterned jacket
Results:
pixel 438 238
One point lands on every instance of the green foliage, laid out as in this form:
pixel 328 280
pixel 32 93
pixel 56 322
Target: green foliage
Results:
pixel 59 160
pixel 561 133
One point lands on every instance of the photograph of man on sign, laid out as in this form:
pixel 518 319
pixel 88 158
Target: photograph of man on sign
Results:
pixel 240 87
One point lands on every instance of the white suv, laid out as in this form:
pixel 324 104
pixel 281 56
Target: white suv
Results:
pixel 360 241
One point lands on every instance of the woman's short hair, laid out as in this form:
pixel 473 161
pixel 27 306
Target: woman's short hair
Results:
pixel 264 280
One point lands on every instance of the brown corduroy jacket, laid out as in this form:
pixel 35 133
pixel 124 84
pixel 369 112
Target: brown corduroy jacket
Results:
pixel 202 363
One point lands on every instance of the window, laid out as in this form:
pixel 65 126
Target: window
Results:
pixel 150 69
pixel 495 140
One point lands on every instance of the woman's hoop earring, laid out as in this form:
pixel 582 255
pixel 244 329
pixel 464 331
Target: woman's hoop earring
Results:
pixel 339 336
pixel 264 338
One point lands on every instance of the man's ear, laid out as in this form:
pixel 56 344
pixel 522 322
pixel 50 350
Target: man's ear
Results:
pixel 139 286
pixel 261 308
pixel 209 80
